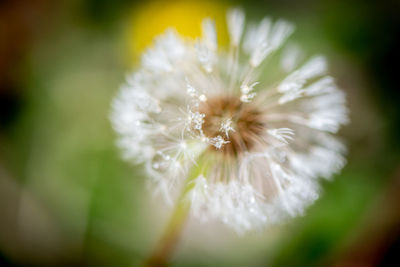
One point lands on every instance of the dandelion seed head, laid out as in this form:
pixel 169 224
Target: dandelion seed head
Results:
pixel 251 151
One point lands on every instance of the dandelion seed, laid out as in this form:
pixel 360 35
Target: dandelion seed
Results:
pixel 226 127
pixel 250 151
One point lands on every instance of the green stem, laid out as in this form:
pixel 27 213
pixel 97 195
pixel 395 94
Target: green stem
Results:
pixel 170 238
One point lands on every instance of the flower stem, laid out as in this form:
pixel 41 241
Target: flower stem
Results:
pixel 169 240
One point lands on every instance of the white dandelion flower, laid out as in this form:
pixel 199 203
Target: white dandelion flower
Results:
pixel 204 121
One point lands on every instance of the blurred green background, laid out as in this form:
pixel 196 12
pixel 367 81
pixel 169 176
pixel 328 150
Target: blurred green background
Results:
pixel 67 198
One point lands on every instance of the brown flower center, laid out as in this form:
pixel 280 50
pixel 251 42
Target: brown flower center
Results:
pixel 245 120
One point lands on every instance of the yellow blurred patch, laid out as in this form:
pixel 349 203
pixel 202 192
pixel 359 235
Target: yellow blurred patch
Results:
pixel 154 17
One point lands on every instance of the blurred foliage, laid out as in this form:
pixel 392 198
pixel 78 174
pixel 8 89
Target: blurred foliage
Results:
pixel 92 209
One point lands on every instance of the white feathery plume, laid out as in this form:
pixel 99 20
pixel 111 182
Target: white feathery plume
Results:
pixel 247 153
pixel 235 20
